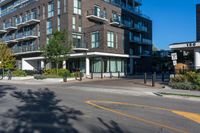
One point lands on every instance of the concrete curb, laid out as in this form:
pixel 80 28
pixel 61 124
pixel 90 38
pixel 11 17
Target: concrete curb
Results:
pixel 177 97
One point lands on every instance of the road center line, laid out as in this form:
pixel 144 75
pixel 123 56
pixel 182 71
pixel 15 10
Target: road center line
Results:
pixel 94 103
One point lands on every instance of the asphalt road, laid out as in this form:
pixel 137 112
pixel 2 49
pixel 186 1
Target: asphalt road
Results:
pixel 94 107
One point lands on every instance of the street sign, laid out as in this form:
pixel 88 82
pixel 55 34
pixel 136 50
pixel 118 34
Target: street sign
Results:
pixel 174 62
pixel 174 56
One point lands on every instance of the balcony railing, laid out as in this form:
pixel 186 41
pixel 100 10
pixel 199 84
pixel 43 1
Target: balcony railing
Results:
pixel 28 35
pixel 10 39
pixel 26 49
pixel 29 19
pixel 115 21
pixel 147 41
pixel 140 27
pixel 100 16
pixel 10 26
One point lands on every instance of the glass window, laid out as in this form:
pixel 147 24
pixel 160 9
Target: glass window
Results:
pixel 95 39
pixel 73 23
pixel 58 6
pixel 110 39
pixel 58 19
pixel 49 27
pixel 77 7
pixel 51 9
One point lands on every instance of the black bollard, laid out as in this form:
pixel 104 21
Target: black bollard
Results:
pixel 145 78
pixel 110 74
pixel 163 77
pixel 101 75
pixel 92 76
pixel 118 74
pixel 153 79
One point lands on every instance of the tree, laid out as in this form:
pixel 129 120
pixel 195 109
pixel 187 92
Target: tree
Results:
pixel 57 48
pixel 7 60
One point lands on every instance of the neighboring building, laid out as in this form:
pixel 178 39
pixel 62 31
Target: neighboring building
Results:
pixel 192 47
pixel 108 35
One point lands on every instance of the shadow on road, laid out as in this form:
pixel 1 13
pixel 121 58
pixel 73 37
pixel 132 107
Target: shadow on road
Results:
pixel 4 90
pixel 40 113
pixel 110 127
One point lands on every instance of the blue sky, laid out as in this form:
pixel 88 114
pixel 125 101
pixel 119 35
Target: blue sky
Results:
pixel 173 20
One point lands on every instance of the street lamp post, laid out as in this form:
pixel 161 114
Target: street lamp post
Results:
pixel 2 71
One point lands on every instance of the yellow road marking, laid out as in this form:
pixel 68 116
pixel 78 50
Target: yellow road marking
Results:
pixel 188 115
pixel 93 103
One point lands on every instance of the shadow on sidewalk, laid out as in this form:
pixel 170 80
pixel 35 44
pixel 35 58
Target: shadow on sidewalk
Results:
pixel 40 112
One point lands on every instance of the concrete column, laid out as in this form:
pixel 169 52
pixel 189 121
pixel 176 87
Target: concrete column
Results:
pixel 87 66
pixel 197 58
pixel 42 64
pixel 64 64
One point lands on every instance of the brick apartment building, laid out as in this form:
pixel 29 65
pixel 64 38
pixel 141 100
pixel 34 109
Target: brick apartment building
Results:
pixel 108 35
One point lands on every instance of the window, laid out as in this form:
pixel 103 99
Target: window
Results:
pixel 77 41
pixel 80 24
pixel 77 7
pixel 43 11
pixel 73 23
pixel 49 27
pixel 95 39
pixel 65 6
pixel 51 9
pixel 110 39
pixel 116 41
pixel 58 20
pixel 58 6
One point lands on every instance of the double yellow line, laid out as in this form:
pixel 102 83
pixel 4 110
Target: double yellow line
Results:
pixel 96 103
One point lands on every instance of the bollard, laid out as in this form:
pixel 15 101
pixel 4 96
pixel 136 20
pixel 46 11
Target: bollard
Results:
pixel 92 76
pixel 80 74
pixel 163 77
pixel 110 74
pixel 101 75
pixel 145 78
pixel 153 79
pixel 118 74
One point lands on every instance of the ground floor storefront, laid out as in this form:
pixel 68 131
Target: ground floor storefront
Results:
pixel 92 62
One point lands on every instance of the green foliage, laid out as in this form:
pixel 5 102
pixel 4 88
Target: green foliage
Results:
pixel 39 77
pixel 184 86
pixel 7 60
pixel 187 81
pixel 19 73
pixel 179 78
pixel 52 73
pixel 58 48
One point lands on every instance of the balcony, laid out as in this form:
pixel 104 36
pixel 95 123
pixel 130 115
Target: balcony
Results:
pixel 10 27
pixel 10 39
pixel 32 18
pixel 147 41
pixel 115 22
pixel 139 28
pixel 3 2
pixel 98 16
pixel 29 19
pixel 2 31
pixel 138 3
pixel 26 49
pixel 25 36
pixel 135 39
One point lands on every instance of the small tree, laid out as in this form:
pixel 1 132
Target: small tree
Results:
pixel 57 48
pixel 7 60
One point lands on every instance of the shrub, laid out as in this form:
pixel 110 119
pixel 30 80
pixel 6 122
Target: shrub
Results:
pixel 31 72
pixel 19 73
pixel 39 77
pixel 184 86
pixel 52 73
pixel 179 78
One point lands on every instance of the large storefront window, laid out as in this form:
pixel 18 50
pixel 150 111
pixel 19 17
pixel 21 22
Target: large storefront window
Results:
pixel 109 65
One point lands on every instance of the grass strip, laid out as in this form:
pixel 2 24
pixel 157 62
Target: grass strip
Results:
pixel 184 95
